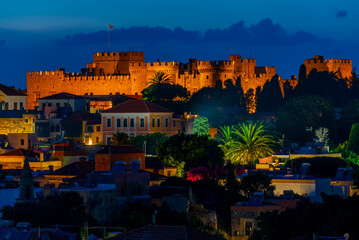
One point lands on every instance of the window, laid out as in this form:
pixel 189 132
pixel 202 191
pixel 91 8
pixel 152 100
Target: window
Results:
pixel 132 122
pixel 142 122
pixel 57 104
pixel 169 174
pixel 108 140
pixel 90 129
pixel 43 105
pixel 153 122
pixel 97 140
pixel 65 104
pixel 207 77
pixel 22 142
pixel 49 104
pixel 125 120
pixel 158 122
pixel 6 106
pixel 166 123
pixel 26 120
pixel 174 124
pixel 98 129
pixel 108 122
pixel 118 122
pixel 15 105
pixel 21 105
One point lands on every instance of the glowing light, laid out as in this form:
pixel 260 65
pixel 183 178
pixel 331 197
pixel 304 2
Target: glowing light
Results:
pixel 90 142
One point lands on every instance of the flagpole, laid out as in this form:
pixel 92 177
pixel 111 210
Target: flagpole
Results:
pixel 108 38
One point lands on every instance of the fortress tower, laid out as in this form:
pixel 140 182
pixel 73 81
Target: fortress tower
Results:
pixel 342 67
pixel 127 73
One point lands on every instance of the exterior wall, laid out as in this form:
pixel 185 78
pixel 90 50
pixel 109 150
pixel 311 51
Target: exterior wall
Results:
pixel 127 73
pixel 95 136
pixel 304 187
pixel 26 124
pixel 22 140
pixel 11 101
pixel 103 162
pixel 172 128
pixel 17 162
pixel 77 105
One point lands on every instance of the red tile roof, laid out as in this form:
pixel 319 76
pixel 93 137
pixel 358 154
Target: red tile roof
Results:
pixel 137 106
pixel 10 92
pixel 163 232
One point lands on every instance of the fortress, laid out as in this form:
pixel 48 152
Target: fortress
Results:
pixel 127 73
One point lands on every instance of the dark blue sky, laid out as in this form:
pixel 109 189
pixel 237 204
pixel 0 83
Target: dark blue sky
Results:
pixel 46 35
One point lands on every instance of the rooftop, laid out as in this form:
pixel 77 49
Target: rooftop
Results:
pixel 137 106
pixel 80 117
pixel 63 95
pixel 10 91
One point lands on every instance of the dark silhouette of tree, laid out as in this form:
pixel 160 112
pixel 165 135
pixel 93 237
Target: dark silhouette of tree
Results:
pixel 288 91
pixel 270 97
pixel 353 144
pixel 302 76
pixel 239 88
pixel 256 182
pixel 120 138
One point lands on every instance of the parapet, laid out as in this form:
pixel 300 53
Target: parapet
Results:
pixel 46 73
pixel 214 63
pixel 118 54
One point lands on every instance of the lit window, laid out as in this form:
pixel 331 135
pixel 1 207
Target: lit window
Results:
pixel 142 122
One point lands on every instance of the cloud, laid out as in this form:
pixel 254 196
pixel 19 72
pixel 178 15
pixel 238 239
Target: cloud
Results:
pixel 341 14
pixel 263 33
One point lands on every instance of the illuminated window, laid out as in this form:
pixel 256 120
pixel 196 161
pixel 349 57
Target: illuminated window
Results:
pixel 132 122
pixel 125 120
pixel 158 122
pixel 108 122
pixel 118 122
pixel 142 122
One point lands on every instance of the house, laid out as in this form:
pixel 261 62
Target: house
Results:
pixel 11 99
pixel 76 125
pixel 17 121
pixel 99 103
pixel 161 168
pixel 92 133
pixel 22 140
pixel 75 102
pixel 138 117
pixel 109 155
pixel 37 160
pixel 244 214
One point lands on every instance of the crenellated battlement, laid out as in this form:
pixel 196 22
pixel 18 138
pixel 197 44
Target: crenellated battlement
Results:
pixel 340 61
pixel 154 64
pixel 95 78
pixel 341 66
pixel 40 73
pixel 117 54
pixel 214 63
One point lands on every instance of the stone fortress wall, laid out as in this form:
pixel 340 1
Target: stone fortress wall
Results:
pixel 127 73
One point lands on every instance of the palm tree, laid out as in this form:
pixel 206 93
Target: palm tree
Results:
pixel 246 142
pixel 159 78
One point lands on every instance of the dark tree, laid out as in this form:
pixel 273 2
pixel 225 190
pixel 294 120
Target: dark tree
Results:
pixel 270 97
pixel 302 76
pixel 256 182
pixel 353 144
pixel 300 116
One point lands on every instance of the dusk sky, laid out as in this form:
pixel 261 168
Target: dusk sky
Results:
pixel 46 35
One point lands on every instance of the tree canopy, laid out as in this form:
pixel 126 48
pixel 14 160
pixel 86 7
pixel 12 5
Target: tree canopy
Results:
pixel 201 126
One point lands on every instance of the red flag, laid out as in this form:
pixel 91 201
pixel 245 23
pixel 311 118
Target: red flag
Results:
pixel 110 26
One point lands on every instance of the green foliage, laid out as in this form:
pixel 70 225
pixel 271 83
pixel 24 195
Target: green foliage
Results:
pixel 165 92
pixel 201 126
pixel 256 182
pixel 246 142
pixel 153 140
pixel 159 78
pixel 334 217
pixel 353 144
pixel 191 150
pixel 301 113
pixel 319 166
pixel 120 138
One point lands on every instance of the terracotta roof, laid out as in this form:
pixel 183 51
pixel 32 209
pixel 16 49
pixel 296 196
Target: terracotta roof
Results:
pixel 63 95
pixel 120 149
pixel 20 152
pixel 10 92
pixel 137 106
pixel 163 232
pixel 80 117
